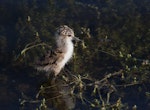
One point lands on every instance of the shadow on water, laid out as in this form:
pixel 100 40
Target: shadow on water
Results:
pixel 57 94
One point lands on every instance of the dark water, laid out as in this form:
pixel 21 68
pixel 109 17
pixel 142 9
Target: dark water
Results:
pixel 126 23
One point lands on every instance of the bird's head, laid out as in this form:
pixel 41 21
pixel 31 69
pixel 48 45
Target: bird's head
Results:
pixel 65 33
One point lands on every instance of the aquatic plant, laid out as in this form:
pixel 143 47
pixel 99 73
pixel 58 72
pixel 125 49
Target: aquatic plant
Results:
pixel 109 66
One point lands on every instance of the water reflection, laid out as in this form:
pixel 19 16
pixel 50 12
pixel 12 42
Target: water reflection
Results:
pixel 57 94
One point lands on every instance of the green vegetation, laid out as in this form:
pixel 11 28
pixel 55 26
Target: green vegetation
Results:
pixel 110 70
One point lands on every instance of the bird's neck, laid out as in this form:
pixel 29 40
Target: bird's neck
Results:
pixel 66 47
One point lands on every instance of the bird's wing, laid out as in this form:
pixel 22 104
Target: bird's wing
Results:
pixel 49 58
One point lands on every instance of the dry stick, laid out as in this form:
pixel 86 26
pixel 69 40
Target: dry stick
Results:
pixel 29 101
pixel 107 53
pixel 110 75
pixel 100 97
pixel 126 85
pixel 33 46
pixel 105 78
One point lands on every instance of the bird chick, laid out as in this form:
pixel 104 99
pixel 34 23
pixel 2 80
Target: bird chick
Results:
pixel 55 60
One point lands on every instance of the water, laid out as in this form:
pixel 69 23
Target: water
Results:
pixel 111 30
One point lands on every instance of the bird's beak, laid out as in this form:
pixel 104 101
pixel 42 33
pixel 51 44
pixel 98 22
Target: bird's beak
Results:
pixel 76 39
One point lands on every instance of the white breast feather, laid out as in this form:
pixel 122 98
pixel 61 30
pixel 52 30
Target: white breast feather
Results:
pixel 68 53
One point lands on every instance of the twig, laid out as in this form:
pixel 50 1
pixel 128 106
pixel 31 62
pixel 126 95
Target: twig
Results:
pixel 33 46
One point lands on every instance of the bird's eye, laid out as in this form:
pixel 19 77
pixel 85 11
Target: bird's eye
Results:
pixel 69 35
